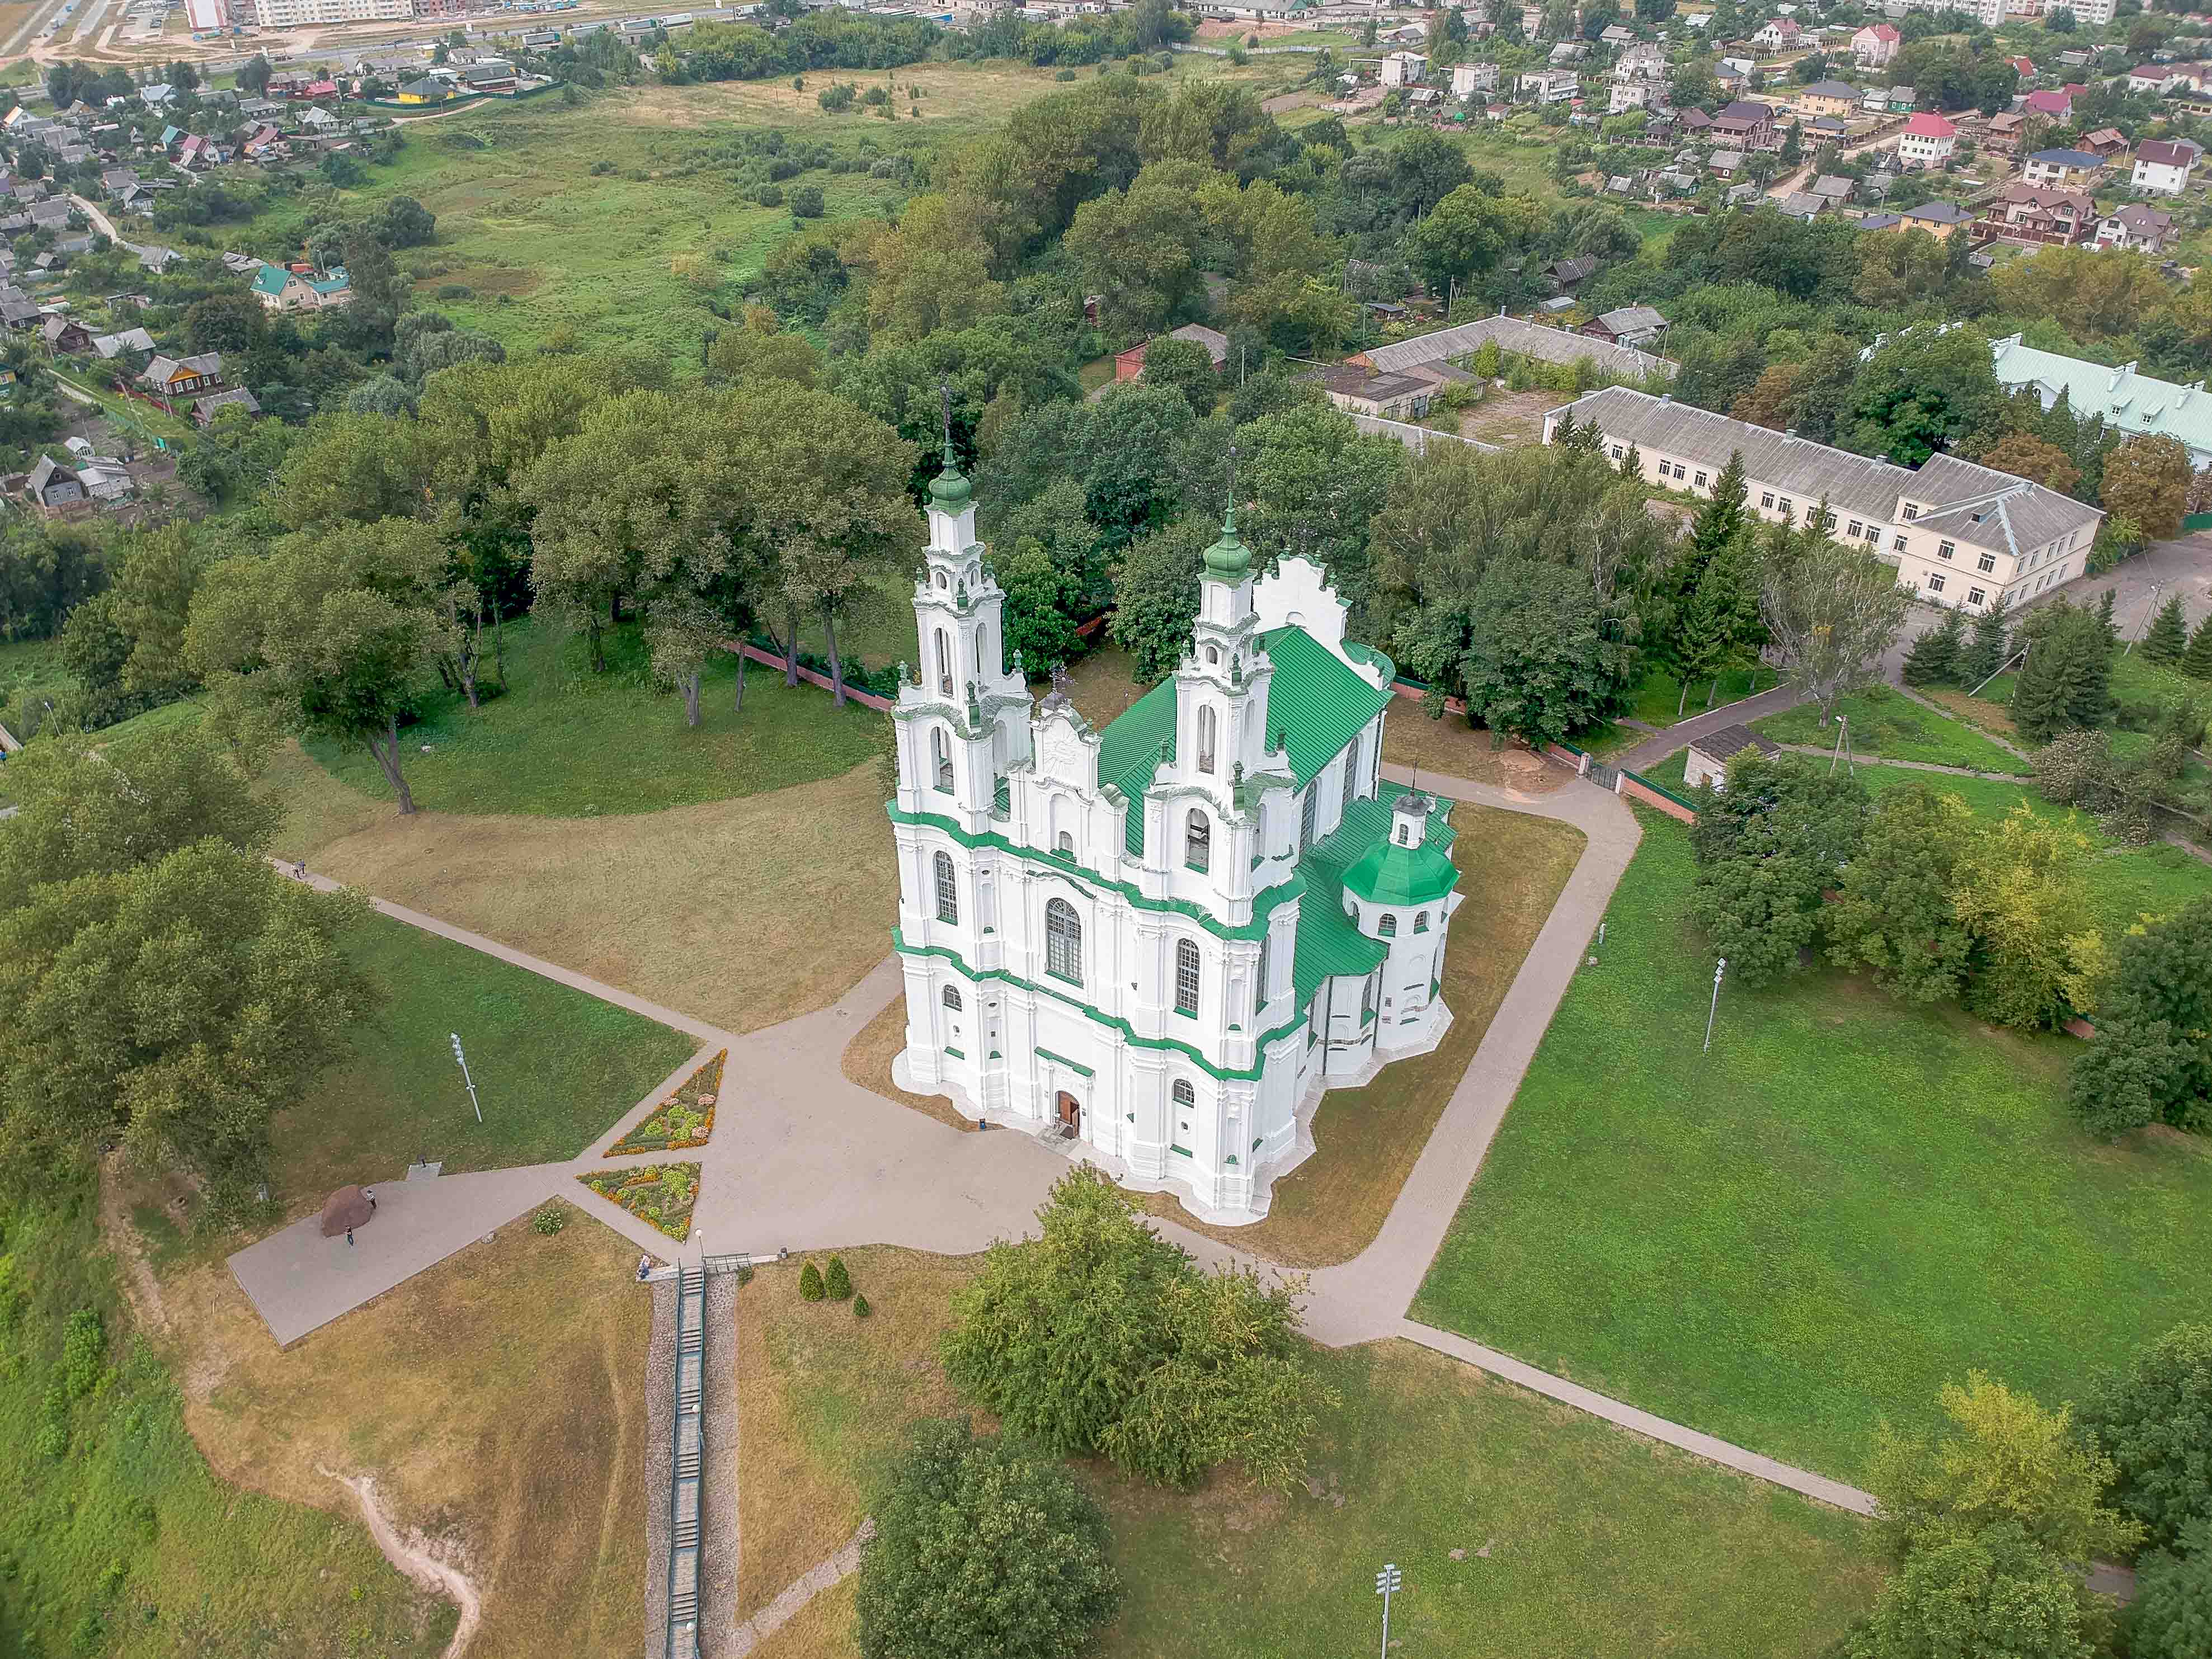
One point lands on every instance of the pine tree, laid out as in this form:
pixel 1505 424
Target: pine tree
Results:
pixel 1721 519
pixel 2064 684
pixel 861 1307
pixel 2196 661
pixel 2167 636
pixel 1987 652
pixel 2105 615
pixel 1566 434
pixel 837 1283
pixel 1632 464
pixel 810 1283
pixel 1934 658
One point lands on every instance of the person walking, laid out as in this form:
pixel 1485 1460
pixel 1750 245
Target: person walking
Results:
pixel 349 1238
pixel 369 1193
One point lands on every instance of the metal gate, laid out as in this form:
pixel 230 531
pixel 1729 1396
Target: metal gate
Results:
pixel 1606 778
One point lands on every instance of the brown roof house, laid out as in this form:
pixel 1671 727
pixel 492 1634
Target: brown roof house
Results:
pixel 1359 390
pixel 179 377
pixel 1129 364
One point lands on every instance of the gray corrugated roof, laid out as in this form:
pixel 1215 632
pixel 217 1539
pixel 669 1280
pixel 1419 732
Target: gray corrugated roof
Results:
pixel 2012 512
pixel 1549 345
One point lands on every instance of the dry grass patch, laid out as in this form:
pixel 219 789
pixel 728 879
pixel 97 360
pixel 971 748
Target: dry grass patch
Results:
pixel 1508 418
pixel 1102 685
pixel 1993 717
pixel 868 1059
pixel 743 912
pixel 498 1401
pixel 1450 748
pixel 824 1628
pixel 1330 1208
pixel 823 1398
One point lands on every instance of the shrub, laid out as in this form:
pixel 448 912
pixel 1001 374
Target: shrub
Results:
pixel 837 1283
pixel 769 196
pixel 84 1354
pixel 810 1282
pixel 861 1307
pixel 981 1547
pixel 550 1220
pixel 1065 75
pixel 456 291
pixel 806 202
pixel 2154 1422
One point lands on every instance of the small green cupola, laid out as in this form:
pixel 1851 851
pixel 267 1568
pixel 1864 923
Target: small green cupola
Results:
pixel 1408 868
pixel 1229 558
pixel 950 489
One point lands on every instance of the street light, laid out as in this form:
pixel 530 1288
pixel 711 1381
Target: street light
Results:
pixel 462 1060
pixel 1719 967
pixel 1385 1582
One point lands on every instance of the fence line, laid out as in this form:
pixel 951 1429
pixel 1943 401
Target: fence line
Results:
pixel 1415 437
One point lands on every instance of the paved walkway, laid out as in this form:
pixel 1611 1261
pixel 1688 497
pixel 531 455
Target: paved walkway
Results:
pixel 804 1160
pixel 1652 750
pixel 1818 752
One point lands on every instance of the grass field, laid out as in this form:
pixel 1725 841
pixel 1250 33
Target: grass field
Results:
pixel 1574 1538
pixel 560 223
pixel 566 742
pixel 1329 1208
pixel 743 912
pixel 1846 1203
pixel 1660 694
pixel 1885 722
pixel 125 1541
pixel 497 1400
pixel 553 1068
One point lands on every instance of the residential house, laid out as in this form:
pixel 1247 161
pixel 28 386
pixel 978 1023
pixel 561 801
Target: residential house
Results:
pixel 2025 68
pixel 2003 134
pixel 1617 34
pixel 2162 165
pixel 1880 221
pixel 1801 205
pixel 50 215
pixel 157 259
pixel 1470 79
pixel 1517 336
pixel 115 180
pixel 19 314
pixel 1833 188
pixel 1826 130
pixel 2154 79
pixel 180 377
pixel 262 140
pixel 1564 275
pixel 205 409
pixel 1939 219
pixel 112 346
pixel 1777 34
pixel 52 487
pixel 2030 215
pixel 1631 325
pixel 1748 124
pixel 2106 143
pixel 1384 395
pixel 1129 364
pixel 1695 123
pixel 64 336
pixel 1874 100
pixel 1643 61
pixel 2063 168
pixel 1567 52
pixel 2138 228
pixel 279 288
pixel 319 119
pixel 159 96
pixel 2053 103
pixel 1927 140
pixel 1726 164
pixel 496 74
pixel 1550 86
pixel 1903 100
pixel 1873 46
pixel 1623 97
pixel 1404 69
pixel 2127 402
pixel 1828 98
pixel 1957 534
pixel 1746 195
pixel 1709 755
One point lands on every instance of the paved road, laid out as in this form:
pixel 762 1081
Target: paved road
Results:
pixel 1652 750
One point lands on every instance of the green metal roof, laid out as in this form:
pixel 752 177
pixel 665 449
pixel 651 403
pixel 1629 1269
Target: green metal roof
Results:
pixel 1129 753
pixel 1388 873
pixel 1329 942
pixel 1314 698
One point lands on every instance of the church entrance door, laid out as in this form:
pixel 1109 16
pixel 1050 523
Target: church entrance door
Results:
pixel 1071 1113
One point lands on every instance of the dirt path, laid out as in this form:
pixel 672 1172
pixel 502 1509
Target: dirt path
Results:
pixel 417 1557
pixel 821 1576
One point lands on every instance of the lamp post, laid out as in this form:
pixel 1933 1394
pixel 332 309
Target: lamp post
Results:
pixel 1385 1582
pixel 1719 967
pixel 462 1060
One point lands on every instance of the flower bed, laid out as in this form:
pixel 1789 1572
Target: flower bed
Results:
pixel 683 1118
pixel 661 1193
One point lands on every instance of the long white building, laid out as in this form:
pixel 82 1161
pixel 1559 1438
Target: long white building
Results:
pixel 295 14
pixel 1159 944
pixel 1960 534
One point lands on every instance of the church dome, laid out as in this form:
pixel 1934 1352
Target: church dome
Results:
pixel 1410 870
pixel 950 489
pixel 1229 557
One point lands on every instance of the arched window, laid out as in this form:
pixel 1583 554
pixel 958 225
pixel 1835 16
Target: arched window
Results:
pixel 944 662
pixel 1067 848
pixel 948 890
pixel 1401 834
pixel 941 579
pixel 1420 921
pixel 1186 978
pixel 1212 653
pixel 1183 1094
pixel 1351 783
pixel 953 998
pixel 1259 1001
pixel 1205 735
pixel 981 633
pixel 1389 928
pixel 1198 840
pixel 940 755
pixel 1063 941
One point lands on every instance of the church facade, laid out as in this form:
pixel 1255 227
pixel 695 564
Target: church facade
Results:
pixel 1159 943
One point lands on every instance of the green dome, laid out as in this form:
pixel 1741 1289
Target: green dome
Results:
pixel 1228 557
pixel 1388 873
pixel 949 489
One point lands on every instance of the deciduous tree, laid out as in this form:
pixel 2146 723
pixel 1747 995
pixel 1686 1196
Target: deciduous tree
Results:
pixel 2154 1421
pixel 2019 889
pixel 1893 916
pixel 1832 610
pixel 2147 481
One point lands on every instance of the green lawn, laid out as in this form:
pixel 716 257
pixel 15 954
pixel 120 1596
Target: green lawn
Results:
pixel 553 1069
pixel 566 742
pixel 1661 694
pixel 1884 722
pixel 121 1539
pixel 1847 1202
pixel 1576 1538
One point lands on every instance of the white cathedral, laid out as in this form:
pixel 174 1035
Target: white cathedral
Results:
pixel 1160 942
